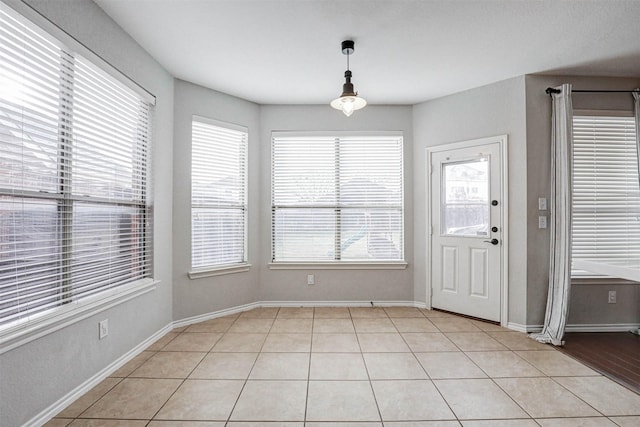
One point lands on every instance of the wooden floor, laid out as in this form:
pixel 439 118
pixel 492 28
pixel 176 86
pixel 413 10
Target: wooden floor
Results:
pixel 614 354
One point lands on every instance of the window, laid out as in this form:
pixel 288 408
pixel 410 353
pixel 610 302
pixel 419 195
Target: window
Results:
pixel 606 195
pixel 74 218
pixel 337 198
pixel 218 194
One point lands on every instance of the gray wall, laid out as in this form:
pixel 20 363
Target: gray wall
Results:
pixel 490 110
pixel 36 375
pixel 588 302
pixel 333 285
pixel 209 294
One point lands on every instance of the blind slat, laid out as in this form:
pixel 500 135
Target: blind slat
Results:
pixel 337 198
pixel 606 193
pixel 68 133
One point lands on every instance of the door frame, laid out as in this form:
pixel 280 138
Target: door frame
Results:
pixel 501 140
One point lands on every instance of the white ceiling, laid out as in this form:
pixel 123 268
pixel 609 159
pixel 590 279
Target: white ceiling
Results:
pixel 406 51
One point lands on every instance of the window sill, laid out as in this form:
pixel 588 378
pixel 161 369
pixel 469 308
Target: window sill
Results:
pixel 61 317
pixel 219 271
pixel 600 280
pixel 399 265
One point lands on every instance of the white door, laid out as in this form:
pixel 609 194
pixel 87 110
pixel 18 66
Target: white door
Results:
pixel 466 230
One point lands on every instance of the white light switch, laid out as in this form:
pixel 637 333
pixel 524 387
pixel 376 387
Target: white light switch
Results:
pixel 542 221
pixel 542 203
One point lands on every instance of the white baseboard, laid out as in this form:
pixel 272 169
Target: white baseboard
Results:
pixel 612 327
pixel 596 327
pixel 74 394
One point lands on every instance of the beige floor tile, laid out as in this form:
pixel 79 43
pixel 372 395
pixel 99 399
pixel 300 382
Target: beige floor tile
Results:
pixel 454 325
pixel 295 313
pixel 422 424
pixel 265 424
pixel 544 398
pixel 576 422
pixel 260 313
pixel 161 342
pixel 331 313
pixel 414 324
pixel 341 401
pixel 239 343
pixel 287 343
pixel 437 313
pixel 249 325
pixel 335 343
pixel 393 366
pixel 107 423
pixel 603 394
pixel 180 328
pixel 333 326
pixel 518 341
pixel 626 421
pixel 337 366
pixel 410 400
pixel 134 399
pixel 345 424
pixel 374 325
pixel 443 365
pixel 503 364
pixel 271 400
pixel 427 342
pixel 500 423
pixel 88 399
pixel 169 364
pixel 367 312
pixel 555 364
pixel 197 341
pixel 478 399
pixel 474 341
pixel 403 312
pixel 221 324
pixel 284 326
pixel 488 327
pixel 132 365
pixel 281 366
pixel 186 424
pixel 58 422
pixel 382 343
pixel 207 400
pixel 225 366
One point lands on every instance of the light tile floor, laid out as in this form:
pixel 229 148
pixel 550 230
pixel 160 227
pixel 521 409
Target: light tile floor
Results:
pixel 351 367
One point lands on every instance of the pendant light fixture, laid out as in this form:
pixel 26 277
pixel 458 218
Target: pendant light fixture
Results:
pixel 349 101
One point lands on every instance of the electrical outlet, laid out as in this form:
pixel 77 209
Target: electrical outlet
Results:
pixel 612 297
pixel 103 329
pixel 310 279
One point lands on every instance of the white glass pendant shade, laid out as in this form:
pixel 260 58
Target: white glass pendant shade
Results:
pixel 348 104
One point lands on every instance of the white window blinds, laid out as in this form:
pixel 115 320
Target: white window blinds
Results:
pixel 606 195
pixel 74 219
pixel 337 198
pixel 218 194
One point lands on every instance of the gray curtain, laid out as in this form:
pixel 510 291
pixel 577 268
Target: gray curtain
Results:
pixel 560 219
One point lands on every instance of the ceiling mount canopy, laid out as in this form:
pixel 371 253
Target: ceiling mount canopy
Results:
pixel 349 101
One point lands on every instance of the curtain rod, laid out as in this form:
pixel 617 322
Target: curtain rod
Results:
pixel 551 90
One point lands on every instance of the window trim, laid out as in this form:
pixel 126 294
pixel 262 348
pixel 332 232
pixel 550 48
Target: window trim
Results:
pixel 338 264
pixel 223 269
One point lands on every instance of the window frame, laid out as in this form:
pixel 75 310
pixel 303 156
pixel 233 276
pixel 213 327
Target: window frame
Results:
pixel 337 264
pixel 39 324
pixel 581 276
pixel 244 265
